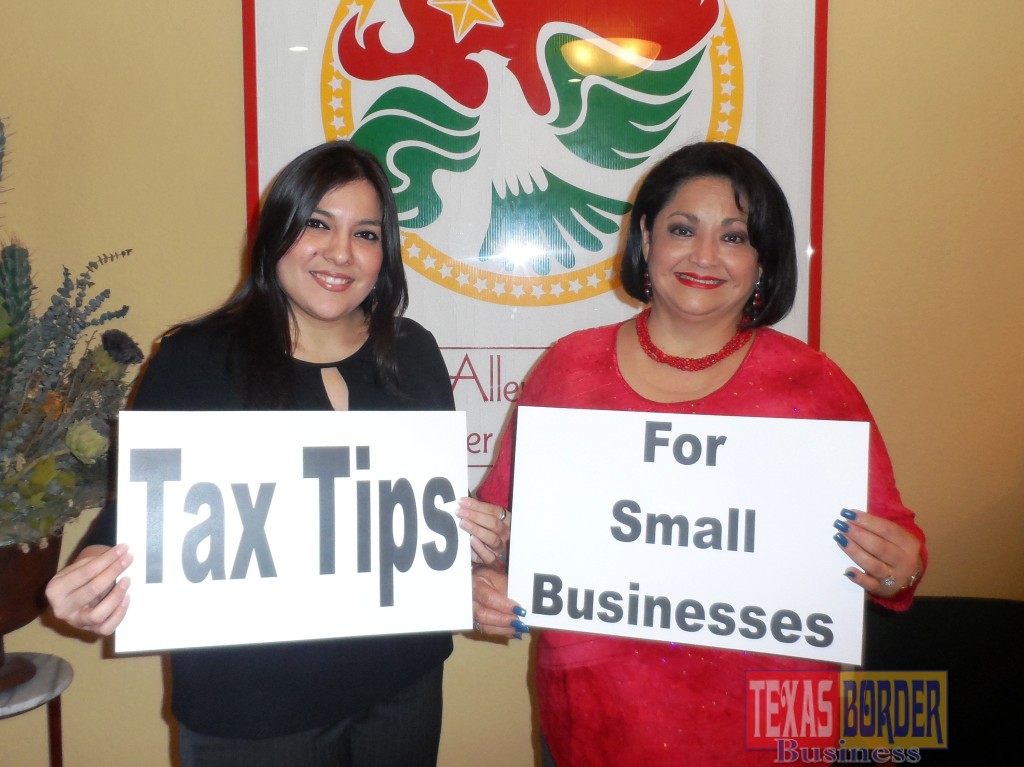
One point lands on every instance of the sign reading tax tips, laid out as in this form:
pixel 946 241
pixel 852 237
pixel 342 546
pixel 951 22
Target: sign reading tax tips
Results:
pixel 709 530
pixel 274 526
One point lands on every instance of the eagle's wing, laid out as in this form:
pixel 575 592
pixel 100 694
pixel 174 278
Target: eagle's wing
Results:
pixel 416 134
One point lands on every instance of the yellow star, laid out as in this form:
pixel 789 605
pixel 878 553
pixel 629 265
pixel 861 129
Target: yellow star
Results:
pixel 466 14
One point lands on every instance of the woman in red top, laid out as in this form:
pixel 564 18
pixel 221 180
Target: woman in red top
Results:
pixel 711 249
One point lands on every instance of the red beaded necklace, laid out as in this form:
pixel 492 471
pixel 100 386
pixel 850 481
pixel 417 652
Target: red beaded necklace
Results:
pixel 689 364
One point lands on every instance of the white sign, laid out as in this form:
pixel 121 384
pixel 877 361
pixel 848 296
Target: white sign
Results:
pixel 708 530
pixel 274 526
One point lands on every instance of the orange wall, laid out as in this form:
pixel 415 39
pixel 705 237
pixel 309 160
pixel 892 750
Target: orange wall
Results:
pixel 125 130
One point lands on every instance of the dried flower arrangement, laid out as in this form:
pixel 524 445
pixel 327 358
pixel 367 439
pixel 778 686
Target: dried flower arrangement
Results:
pixel 60 392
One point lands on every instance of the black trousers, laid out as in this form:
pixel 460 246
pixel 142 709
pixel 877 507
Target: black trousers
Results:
pixel 404 731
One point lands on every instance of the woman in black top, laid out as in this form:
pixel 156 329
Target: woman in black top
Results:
pixel 316 326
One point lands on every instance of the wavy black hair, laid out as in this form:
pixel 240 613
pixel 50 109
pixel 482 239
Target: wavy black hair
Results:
pixel 259 314
pixel 758 194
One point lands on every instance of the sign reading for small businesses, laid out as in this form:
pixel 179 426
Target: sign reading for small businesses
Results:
pixel 708 530
pixel 262 527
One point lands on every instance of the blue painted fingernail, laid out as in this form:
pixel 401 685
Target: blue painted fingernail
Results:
pixel 519 611
pixel 841 540
pixel 850 574
pixel 517 636
pixel 840 525
pixel 849 513
pixel 520 626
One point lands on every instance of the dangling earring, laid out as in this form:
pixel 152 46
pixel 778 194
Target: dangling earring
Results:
pixel 755 302
pixel 648 291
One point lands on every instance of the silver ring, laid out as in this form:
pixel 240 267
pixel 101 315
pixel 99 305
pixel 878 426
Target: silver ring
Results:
pixel 888 581
pixel 476 626
pixel 500 555
pixel 504 514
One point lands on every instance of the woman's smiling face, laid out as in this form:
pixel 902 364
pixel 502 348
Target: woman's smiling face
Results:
pixel 333 266
pixel 698 253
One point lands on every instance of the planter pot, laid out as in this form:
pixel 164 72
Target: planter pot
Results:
pixel 23 579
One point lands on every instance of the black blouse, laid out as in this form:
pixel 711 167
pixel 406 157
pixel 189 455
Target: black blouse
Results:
pixel 258 691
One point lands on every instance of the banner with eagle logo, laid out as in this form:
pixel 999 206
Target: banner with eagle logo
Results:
pixel 515 133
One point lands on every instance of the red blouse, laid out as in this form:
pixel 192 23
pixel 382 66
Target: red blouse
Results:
pixel 616 701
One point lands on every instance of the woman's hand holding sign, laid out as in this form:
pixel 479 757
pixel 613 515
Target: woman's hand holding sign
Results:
pixel 493 612
pixel 87 593
pixel 888 554
pixel 490 527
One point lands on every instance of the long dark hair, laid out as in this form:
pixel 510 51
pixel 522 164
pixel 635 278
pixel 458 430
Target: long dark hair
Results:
pixel 259 314
pixel 758 194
